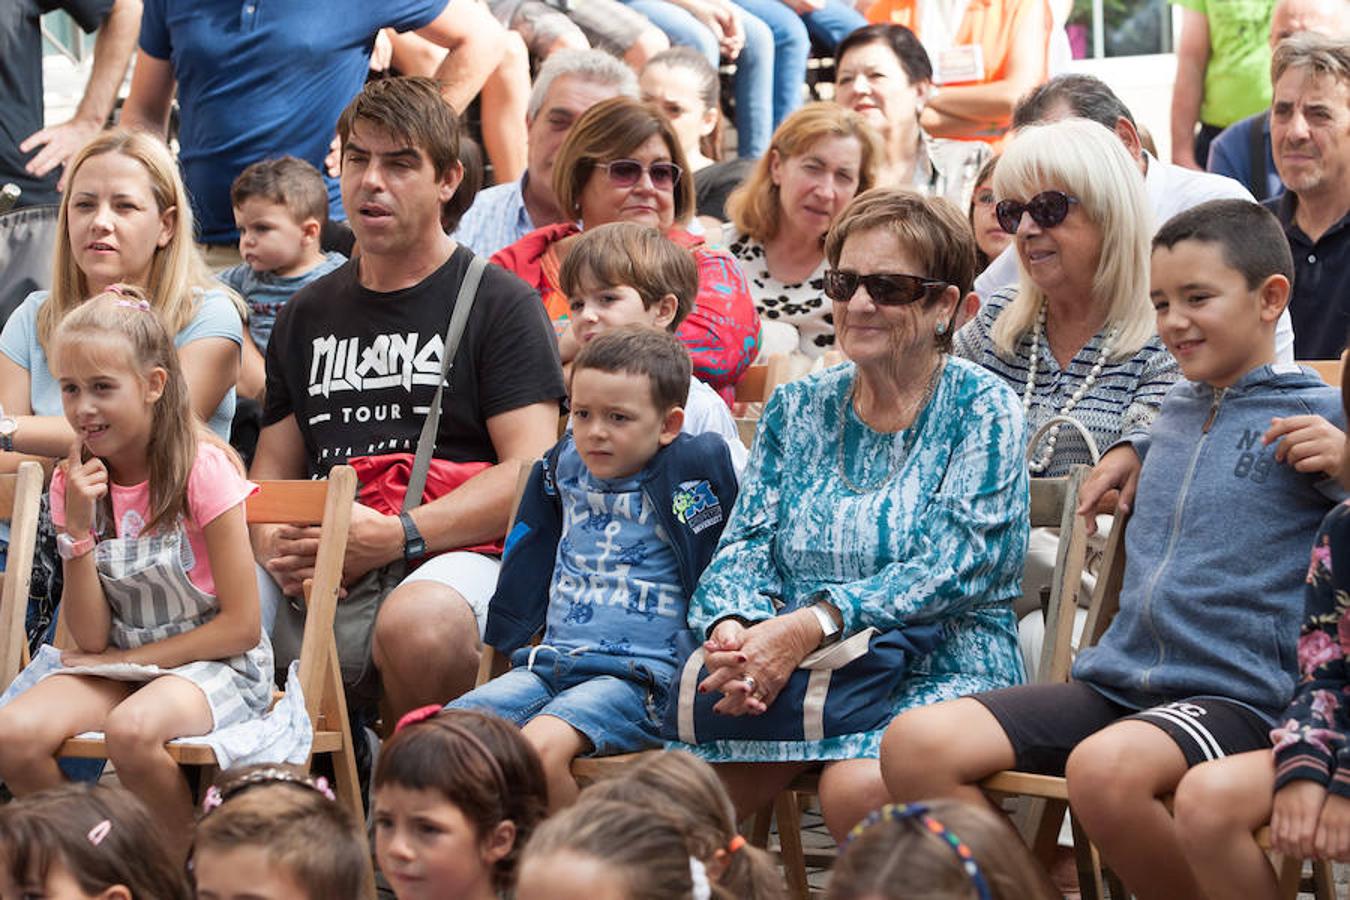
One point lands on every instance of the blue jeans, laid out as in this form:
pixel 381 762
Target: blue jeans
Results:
pixel 787 69
pixel 829 26
pixel 755 111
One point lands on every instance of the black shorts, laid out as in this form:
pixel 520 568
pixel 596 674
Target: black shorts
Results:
pixel 1044 722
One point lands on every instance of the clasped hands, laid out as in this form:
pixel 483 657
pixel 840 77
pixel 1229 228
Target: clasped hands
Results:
pixel 750 664
pixel 373 540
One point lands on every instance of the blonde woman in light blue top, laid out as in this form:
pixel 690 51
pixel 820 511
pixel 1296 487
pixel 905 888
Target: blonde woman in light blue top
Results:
pixel 884 492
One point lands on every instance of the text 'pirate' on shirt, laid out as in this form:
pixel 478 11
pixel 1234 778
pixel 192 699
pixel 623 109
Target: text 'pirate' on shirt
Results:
pixel 358 368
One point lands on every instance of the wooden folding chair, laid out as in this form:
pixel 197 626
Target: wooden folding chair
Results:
pixel 329 504
pixel 756 386
pixel 1328 369
pixel 20 499
pixel 1054 502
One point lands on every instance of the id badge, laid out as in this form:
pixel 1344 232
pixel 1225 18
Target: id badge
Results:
pixel 960 65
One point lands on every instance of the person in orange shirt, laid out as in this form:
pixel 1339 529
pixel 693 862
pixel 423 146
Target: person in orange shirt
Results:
pixel 986 54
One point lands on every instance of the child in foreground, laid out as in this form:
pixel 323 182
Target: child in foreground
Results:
pixel 457 793
pixel 943 849
pixel 686 790
pixel 1232 479
pixel 615 527
pixel 158 570
pixel 271 833
pixel 627 274
pixel 1303 788
pixel 83 840
pixel 615 851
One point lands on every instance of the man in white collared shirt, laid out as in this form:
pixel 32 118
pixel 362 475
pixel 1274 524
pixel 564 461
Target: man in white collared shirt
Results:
pixel 568 84
pixel 1171 189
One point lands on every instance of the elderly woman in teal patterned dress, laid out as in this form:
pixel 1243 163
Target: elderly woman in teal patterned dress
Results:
pixel 888 491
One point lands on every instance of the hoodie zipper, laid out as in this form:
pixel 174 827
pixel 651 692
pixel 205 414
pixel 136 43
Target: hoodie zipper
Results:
pixel 1175 535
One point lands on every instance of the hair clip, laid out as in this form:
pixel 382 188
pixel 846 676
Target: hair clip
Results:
pixel 139 305
pixel 99 832
pixel 700 887
pixel 904 812
pixel 216 796
pixel 421 714
pixel 736 843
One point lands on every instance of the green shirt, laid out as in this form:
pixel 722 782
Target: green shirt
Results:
pixel 1237 78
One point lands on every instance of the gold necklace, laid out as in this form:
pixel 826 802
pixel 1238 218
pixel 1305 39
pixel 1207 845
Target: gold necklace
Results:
pixel 906 443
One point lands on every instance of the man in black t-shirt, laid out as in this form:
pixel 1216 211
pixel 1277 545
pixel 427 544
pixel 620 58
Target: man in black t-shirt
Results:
pixel 353 364
pixel 30 154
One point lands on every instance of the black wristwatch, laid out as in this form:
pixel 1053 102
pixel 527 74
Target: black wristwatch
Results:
pixel 414 545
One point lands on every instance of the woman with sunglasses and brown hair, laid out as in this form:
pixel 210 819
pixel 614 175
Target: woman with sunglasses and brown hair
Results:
pixel 885 492
pixel 1076 338
pixel 622 162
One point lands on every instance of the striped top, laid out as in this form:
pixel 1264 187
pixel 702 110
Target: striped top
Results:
pixel 1123 401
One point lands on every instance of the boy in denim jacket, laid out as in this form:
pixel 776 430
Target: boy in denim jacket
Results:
pixel 615 527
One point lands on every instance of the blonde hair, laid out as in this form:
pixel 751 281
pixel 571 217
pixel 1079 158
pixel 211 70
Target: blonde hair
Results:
pixel 177 270
pixel 754 207
pixel 1087 161
pixel 116 315
pixel 686 790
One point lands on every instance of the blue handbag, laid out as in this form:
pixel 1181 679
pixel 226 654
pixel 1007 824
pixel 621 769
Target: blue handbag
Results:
pixel 839 689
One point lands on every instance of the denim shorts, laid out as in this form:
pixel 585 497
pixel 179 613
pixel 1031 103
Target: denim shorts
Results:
pixel 616 702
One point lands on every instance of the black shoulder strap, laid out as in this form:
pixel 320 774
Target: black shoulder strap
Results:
pixel 1256 147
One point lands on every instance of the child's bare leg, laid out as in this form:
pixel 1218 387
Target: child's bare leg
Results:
pixel 504 101
pixel 944 750
pixel 1219 806
pixel 849 790
pixel 1117 779
pixel 137 729
pixel 35 724
pixel 557 743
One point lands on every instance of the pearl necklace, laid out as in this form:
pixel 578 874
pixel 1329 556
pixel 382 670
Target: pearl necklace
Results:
pixel 1041 461
pixel 906 442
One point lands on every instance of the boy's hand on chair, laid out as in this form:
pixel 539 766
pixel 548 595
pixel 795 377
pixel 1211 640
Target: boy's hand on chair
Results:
pixel 1293 820
pixel 86 484
pixel 1308 443
pixel 1333 829
pixel 1117 470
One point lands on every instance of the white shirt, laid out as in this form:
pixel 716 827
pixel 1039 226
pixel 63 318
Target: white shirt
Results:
pixel 1171 190
pixel 705 410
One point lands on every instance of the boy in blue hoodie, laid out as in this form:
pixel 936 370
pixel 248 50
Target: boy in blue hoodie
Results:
pixel 614 529
pixel 1232 481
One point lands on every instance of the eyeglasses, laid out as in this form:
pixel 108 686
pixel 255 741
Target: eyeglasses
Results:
pixel 627 172
pixel 1047 209
pixel 885 288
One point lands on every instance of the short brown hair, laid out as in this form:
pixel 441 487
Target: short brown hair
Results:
pixel 478 762
pixel 932 229
pixel 289 181
pixel 754 207
pixel 899 856
pixel 54 827
pixel 634 350
pixel 613 129
pixel 636 256
pixel 311 836
pixel 410 109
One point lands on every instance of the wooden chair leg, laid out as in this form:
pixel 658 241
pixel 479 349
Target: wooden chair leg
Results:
pixel 1090 884
pixel 348 786
pixel 790 844
pixel 760 824
pixel 1324 880
pixel 1043 820
pixel 1114 885
pixel 1291 874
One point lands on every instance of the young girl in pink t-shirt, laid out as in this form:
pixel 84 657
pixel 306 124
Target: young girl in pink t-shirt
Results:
pixel 160 596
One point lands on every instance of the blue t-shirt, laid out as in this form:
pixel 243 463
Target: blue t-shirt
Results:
pixel 216 318
pixel 616 581
pixel 266 293
pixel 264 78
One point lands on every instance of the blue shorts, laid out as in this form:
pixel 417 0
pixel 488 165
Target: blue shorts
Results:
pixel 616 702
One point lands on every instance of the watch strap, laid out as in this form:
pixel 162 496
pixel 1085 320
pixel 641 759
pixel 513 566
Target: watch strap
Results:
pixel 414 545
pixel 830 630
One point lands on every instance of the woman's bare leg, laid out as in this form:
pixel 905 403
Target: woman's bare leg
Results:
pixel 1218 808
pixel 753 786
pixel 35 724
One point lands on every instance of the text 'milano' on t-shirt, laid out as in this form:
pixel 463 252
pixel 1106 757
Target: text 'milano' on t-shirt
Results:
pixel 358 368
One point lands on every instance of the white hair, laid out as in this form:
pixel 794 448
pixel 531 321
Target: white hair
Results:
pixel 589 65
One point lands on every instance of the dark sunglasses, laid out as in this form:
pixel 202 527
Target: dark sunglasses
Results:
pixel 1047 209
pixel 885 289
pixel 627 172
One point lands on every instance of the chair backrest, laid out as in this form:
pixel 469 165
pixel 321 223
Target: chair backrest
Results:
pixel 1328 369
pixel 758 381
pixel 1110 577
pixel 1054 504
pixel 20 498
pixel 327 503
pixel 490 662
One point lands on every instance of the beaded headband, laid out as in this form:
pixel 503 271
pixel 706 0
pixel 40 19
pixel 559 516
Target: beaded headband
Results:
pixel 215 795
pixel 918 812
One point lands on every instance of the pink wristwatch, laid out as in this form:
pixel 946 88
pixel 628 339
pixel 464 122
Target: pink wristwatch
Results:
pixel 69 548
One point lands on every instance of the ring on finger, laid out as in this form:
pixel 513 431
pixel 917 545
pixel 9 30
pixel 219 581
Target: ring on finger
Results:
pixel 751 685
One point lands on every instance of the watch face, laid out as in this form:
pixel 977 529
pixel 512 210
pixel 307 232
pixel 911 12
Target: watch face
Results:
pixel 8 425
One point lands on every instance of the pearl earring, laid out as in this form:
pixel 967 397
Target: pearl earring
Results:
pixel 941 328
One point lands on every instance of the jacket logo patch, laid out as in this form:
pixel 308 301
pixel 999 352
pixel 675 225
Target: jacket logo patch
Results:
pixel 695 505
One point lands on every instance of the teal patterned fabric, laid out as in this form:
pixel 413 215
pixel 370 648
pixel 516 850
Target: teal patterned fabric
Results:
pixel 940 535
